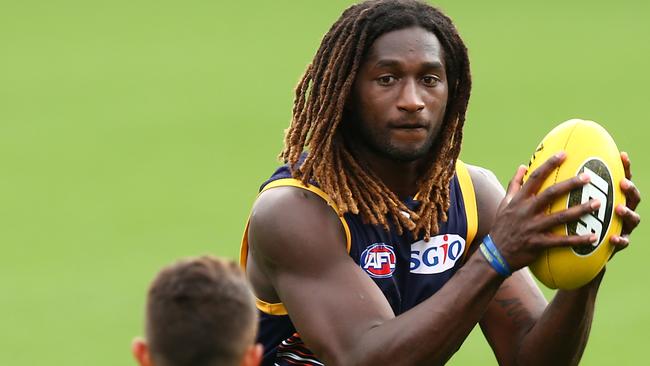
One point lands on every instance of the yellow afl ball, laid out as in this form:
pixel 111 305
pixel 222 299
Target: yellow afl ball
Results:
pixel 590 150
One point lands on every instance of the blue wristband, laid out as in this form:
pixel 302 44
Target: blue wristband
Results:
pixel 494 257
pixel 499 261
pixel 493 262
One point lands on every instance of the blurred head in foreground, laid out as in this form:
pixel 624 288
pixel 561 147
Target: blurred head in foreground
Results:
pixel 199 312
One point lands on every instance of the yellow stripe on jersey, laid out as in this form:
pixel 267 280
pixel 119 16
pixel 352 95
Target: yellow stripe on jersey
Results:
pixel 469 197
pixel 278 308
pixel 271 309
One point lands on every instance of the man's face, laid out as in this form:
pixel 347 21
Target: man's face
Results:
pixel 399 96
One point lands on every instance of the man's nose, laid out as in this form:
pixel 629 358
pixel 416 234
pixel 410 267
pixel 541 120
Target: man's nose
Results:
pixel 409 98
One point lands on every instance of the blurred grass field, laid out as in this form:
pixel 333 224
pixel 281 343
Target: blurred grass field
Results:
pixel 133 133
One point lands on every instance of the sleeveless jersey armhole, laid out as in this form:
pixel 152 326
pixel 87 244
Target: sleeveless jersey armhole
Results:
pixel 469 198
pixel 278 308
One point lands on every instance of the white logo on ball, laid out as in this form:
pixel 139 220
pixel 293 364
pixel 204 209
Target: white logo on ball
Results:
pixel 596 189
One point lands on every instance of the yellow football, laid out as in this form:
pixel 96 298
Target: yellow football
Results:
pixel 591 150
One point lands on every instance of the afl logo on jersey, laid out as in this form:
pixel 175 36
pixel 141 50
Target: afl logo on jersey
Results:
pixel 378 260
pixel 437 255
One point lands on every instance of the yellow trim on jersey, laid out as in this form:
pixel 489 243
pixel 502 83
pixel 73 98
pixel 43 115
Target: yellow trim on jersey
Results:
pixel 278 308
pixel 267 307
pixel 243 248
pixel 271 309
pixel 469 197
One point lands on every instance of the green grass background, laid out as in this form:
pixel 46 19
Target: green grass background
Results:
pixel 133 133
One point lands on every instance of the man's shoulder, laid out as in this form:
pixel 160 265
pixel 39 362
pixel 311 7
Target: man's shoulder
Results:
pixel 484 180
pixel 287 200
pixel 290 215
pixel 291 234
pixel 480 173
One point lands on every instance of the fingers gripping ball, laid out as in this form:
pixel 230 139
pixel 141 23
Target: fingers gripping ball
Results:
pixel 590 150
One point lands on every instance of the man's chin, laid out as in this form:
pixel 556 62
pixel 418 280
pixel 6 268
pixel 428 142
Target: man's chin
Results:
pixel 405 155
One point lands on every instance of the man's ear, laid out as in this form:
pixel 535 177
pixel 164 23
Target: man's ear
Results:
pixel 253 355
pixel 140 351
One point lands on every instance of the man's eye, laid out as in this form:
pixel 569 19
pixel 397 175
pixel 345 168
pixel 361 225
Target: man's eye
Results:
pixel 430 80
pixel 386 80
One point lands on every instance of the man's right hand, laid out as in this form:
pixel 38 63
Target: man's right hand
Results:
pixel 522 228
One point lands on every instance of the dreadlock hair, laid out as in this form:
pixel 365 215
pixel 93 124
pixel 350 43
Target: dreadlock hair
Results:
pixel 320 99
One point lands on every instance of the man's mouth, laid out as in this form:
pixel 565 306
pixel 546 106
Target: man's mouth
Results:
pixel 408 125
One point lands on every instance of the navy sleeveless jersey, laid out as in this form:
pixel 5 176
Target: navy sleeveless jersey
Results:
pixel 407 270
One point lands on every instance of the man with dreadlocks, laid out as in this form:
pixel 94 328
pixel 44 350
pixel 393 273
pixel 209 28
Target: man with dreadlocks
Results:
pixel 361 249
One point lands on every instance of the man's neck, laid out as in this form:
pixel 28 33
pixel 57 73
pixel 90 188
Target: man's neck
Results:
pixel 399 176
